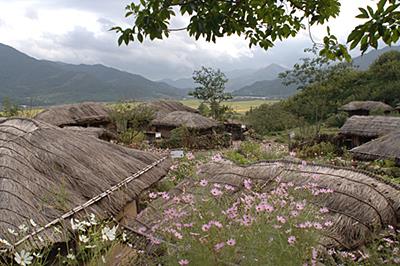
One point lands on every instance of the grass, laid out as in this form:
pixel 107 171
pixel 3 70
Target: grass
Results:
pixel 241 106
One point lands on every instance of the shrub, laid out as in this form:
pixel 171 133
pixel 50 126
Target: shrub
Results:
pixel 132 137
pixel 325 149
pixel 336 120
pixel 250 152
pixel 131 116
pixel 271 118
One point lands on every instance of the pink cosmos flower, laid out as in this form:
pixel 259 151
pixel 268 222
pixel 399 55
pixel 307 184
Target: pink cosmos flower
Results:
pixel 291 240
pixel 299 206
pixel 205 227
pixel 152 195
pixel 183 262
pixel 229 187
pixel 324 210
pixel 217 157
pixel 216 223
pixel 203 182
pixel 281 219
pixel 216 192
pixel 294 213
pixel 231 242
pixel 219 246
pixel 247 184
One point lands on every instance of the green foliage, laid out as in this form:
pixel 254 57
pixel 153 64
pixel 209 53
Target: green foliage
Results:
pixel 211 91
pixel 250 152
pixel 336 120
pixel 271 118
pixel 326 149
pixel 132 137
pixel 9 108
pixel 131 116
pixel 204 109
pixel 262 24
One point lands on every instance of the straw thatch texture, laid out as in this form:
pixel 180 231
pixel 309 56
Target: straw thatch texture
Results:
pixel 164 107
pixel 187 119
pixel 386 147
pixel 360 206
pixel 83 114
pixel 370 126
pixel 97 132
pixel 46 171
pixel 366 105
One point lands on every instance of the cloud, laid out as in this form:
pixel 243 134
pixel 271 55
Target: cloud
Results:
pixel 76 31
pixel 32 14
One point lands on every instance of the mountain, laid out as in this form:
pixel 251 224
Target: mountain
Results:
pixel 364 61
pixel 267 88
pixel 183 83
pixel 25 79
pixel 270 72
pixel 237 78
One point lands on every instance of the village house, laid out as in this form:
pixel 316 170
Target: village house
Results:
pixel 365 108
pixel 361 129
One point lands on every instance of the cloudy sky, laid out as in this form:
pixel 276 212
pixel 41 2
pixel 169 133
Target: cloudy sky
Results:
pixel 76 31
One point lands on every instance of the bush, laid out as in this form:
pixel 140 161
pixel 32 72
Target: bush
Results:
pixel 182 137
pixel 325 149
pixel 250 152
pixel 132 137
pixel 271 118
pixel 132 116
pixel 336 120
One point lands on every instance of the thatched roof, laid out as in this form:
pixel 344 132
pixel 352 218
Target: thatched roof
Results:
pixel 163 107
pixel 187 119
pixel 97 132
pixel 82 114
pixel 398 107
pixel 386 147
pixel 47 171
pixel 366 105
pixel 370 126
pixel 360 205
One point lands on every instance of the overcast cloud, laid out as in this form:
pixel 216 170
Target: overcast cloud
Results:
pixel 76 31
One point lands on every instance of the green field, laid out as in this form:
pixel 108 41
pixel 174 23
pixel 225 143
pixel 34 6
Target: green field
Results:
pixel 238 106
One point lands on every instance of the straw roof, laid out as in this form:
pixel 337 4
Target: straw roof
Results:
pixel 47 171
pixel 82 114
pixel 97 132
pixel 398 107
pixel 164 107
pixel 187 119
pixel 370 126
pixel 360 206
pixel 366 105
pixel 386 147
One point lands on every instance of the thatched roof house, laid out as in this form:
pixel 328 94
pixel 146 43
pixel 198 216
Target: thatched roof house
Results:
pixel 386 147
pixel 97 132
pixel 163 107
pixel 82 114
pixel 362 129
pixel 192 121
pixel 360 205
pixel 397 108
pixel 46 172
pixel 365 107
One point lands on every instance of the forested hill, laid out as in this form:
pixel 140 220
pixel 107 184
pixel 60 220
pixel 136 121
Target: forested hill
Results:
pixel 26 80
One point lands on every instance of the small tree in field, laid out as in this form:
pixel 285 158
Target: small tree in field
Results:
pixel 211 90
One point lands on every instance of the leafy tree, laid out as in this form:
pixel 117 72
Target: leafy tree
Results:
pixel 9 108
pixel 262 22
pixel 315 69
pixel 211 90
